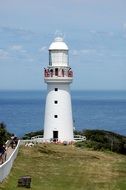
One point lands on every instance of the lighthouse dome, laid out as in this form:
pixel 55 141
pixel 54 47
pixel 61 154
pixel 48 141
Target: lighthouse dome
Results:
pixel 58 44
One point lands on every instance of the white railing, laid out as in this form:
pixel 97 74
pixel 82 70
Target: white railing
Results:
pixel 7 144
pixel 32 140
pixel 40 139
pixel 37 136
pixel 79 138
pixel 6 166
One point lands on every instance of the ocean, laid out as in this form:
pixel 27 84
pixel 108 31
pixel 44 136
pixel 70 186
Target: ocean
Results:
pixel 23 111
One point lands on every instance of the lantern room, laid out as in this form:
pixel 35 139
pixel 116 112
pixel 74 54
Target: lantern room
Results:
pixel 58 53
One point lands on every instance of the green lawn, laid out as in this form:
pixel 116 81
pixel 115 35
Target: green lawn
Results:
pixel 59 167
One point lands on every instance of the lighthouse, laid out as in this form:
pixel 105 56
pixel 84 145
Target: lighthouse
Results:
pixel 58 121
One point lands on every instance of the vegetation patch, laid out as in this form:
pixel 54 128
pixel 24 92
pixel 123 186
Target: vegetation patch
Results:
pixel 32 134
pixel 103 140
pixel 4 134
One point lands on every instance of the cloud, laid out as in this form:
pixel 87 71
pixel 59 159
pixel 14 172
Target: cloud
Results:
pixel 88 51
pixel 4 54
pixel 20 46
pixel 83 51
pixel 102 33
pixel 93 31
pixel 19 34
pixel 42 49
pixel 124 26
pixel 75 52
pixel 16 47
pixel 17 52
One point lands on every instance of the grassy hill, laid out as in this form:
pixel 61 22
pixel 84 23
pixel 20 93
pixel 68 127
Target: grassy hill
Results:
pixel 59 167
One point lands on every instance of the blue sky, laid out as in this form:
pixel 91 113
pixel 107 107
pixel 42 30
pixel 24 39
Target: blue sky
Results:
pixel 95 31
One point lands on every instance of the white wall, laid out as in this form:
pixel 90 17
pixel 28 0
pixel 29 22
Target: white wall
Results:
pixel 64 123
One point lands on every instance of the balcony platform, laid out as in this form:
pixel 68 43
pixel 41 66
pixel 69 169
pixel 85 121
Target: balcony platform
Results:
pixel 57 79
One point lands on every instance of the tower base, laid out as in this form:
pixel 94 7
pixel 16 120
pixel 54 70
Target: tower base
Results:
pixel 58 123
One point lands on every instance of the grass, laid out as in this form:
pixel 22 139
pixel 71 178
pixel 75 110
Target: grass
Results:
pixel 58 167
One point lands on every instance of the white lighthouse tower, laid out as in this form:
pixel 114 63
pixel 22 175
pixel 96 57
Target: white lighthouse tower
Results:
pixel 58 122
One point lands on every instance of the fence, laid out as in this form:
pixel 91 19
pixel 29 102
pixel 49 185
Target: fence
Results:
pixel 6 167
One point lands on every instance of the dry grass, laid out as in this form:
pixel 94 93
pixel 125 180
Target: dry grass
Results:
pixel 58 167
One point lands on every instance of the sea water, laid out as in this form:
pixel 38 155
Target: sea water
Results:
pixel 23 111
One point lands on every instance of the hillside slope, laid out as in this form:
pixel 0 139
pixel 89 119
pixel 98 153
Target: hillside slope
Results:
pixel 59 167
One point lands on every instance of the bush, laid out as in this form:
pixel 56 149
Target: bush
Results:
pixel 4 134
pixel 104 140
pixel 32 134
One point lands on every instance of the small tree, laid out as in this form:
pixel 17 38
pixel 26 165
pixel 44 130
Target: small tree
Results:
pixel 4 134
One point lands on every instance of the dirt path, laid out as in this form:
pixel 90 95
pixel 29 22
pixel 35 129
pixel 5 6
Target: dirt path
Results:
pixel 9 151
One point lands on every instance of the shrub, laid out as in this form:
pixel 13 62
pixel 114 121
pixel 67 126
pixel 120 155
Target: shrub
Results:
pixel 32 134
pixel 4 134
pixel 104 140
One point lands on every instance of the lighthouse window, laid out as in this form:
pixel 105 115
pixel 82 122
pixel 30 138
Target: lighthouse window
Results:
pixel 56 89
pixel 55 116
pixel 56 72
